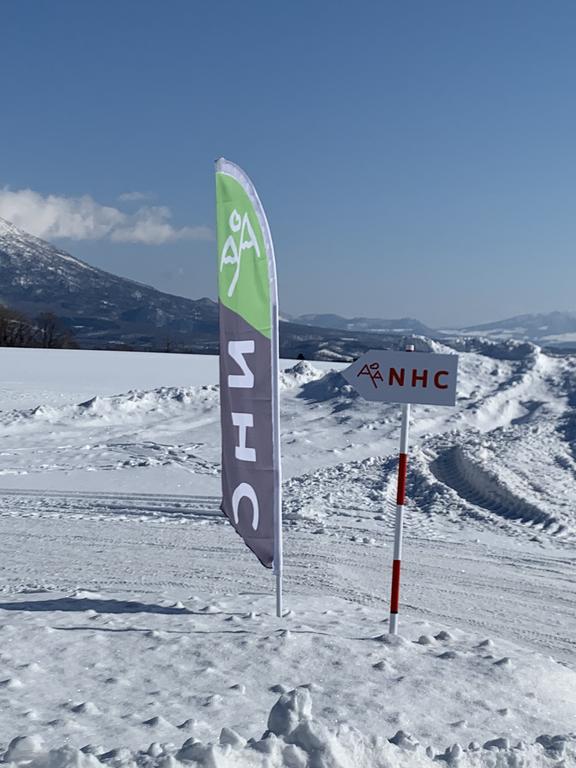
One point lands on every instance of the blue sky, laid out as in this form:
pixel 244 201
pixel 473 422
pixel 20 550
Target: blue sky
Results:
pixel 415 158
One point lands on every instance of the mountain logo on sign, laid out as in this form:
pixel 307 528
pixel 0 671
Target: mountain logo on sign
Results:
pixel 372 370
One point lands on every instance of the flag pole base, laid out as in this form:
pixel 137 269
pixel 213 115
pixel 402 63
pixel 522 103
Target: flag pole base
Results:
pixel 279 607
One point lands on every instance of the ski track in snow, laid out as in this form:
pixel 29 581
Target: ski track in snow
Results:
pixel 115 507
pixel 477 585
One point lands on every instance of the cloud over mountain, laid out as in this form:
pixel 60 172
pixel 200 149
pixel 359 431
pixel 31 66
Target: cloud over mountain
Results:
pixel 83 218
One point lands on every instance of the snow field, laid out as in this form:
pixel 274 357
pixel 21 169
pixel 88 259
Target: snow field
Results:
pixel 131 615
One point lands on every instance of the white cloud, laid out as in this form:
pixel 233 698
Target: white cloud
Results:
pixel 152 225
pixel 82 218
pixel 136 197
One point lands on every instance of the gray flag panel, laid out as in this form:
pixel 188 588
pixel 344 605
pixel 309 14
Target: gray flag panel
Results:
pixel 248 480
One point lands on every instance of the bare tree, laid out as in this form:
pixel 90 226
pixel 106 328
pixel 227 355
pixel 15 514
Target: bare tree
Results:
pixel 15 329
pixel 51 334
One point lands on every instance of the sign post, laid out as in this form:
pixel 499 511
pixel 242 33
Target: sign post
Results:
pixel 403 377
pixel 399 523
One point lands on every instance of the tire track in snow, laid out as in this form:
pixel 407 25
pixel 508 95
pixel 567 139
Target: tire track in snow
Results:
pixel 483 489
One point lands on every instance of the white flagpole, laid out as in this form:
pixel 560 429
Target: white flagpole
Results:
pixel 278 568
pixel 278 541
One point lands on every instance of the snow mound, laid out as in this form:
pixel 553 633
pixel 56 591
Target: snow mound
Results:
pixel 509 349
pixel 463 471
pixel 134 404
pixel 523 473
pixel 331 386
pixel 301 373
pixel 349 489
pixel 466 478
pixel 295 739
pixel 438 348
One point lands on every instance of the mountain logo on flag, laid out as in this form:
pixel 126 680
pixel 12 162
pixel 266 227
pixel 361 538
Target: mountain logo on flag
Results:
pixel 242 238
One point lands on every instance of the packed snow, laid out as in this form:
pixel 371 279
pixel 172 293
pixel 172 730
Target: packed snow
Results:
pixel 135 628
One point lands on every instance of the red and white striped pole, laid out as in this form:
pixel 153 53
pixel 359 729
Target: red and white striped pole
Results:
pixel 400 501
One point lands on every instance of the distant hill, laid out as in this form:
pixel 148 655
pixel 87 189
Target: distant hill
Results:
pixel 402 325
pixel 555 329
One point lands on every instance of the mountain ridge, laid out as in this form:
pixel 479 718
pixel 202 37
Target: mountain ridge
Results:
pixel 557 328
pixel 365 324
pixel 36 276
pixel 104 310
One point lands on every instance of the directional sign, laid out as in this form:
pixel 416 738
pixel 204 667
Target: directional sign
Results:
pixel 405 377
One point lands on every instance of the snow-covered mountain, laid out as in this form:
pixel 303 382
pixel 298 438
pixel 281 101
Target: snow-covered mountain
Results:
pixel 104 310
pixel 554 329
pixel 551 329
pixel 402 325
pixel 100 308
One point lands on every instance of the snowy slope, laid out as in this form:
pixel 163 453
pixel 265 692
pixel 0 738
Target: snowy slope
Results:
pixel 131 614
pixel 35 276
pixel 405 325
pixel 550 329
pixel 553 329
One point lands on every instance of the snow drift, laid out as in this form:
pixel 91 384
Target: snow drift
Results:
pixel 294 739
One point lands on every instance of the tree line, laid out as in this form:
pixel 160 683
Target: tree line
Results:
pixel 46 331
